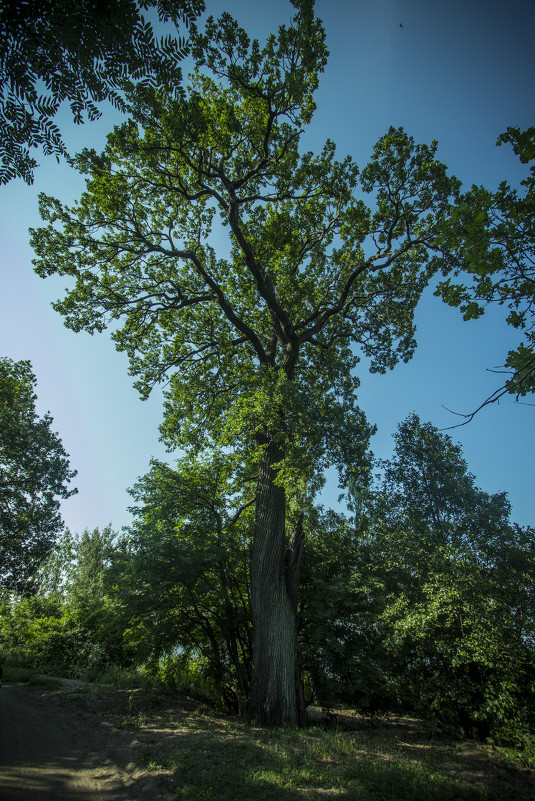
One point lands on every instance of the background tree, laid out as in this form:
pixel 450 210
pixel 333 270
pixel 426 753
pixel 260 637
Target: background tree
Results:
pixel 55 572
pixel 258 344
pixel 93 553
pixel 494 234
pixel 455 579
pixel 181 575
pixel 70 626
pixel 341 636
pixel 34 475
pixel 85 53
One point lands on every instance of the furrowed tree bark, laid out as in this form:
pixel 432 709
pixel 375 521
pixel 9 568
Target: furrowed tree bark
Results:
pixel 276 697
pixel 293 564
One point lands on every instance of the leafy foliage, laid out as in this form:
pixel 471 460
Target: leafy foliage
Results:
pixel 457 586
pixel 494 235
pixel 70 626
pixel 182 574
pixel 342 649
pixel 425 603
pixel 84 53
pixel 34 474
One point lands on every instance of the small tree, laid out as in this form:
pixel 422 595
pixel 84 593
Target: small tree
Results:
pixel 339 607
pixel 258 343
pixel 34 474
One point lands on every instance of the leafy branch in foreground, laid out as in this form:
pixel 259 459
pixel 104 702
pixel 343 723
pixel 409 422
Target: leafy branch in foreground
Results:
pixel 84 53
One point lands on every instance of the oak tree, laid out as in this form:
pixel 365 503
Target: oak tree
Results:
pixel 248 274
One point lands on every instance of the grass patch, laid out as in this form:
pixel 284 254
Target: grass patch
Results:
pixel 13 673
pixel 134 721
pixel 200 755
pixel 230 761
pixel 44 683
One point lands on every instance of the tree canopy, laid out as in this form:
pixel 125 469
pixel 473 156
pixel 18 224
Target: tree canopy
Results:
pixel 84 53
pixel 256 324
pixel 311 276
pixel 34 475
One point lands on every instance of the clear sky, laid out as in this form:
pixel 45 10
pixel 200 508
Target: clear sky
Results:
pixel 457 71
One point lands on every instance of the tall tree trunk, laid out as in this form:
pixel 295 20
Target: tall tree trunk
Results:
pixel 276 696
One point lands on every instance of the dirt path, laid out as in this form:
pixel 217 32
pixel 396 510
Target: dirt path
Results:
pixel 52 752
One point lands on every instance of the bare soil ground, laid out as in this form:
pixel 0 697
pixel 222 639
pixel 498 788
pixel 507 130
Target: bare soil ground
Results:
pixel 54 748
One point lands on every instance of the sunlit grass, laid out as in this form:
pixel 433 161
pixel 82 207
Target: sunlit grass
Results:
pixel 31 678
pixel 237 763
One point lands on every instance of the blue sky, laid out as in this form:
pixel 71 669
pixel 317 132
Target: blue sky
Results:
pixel 459 72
